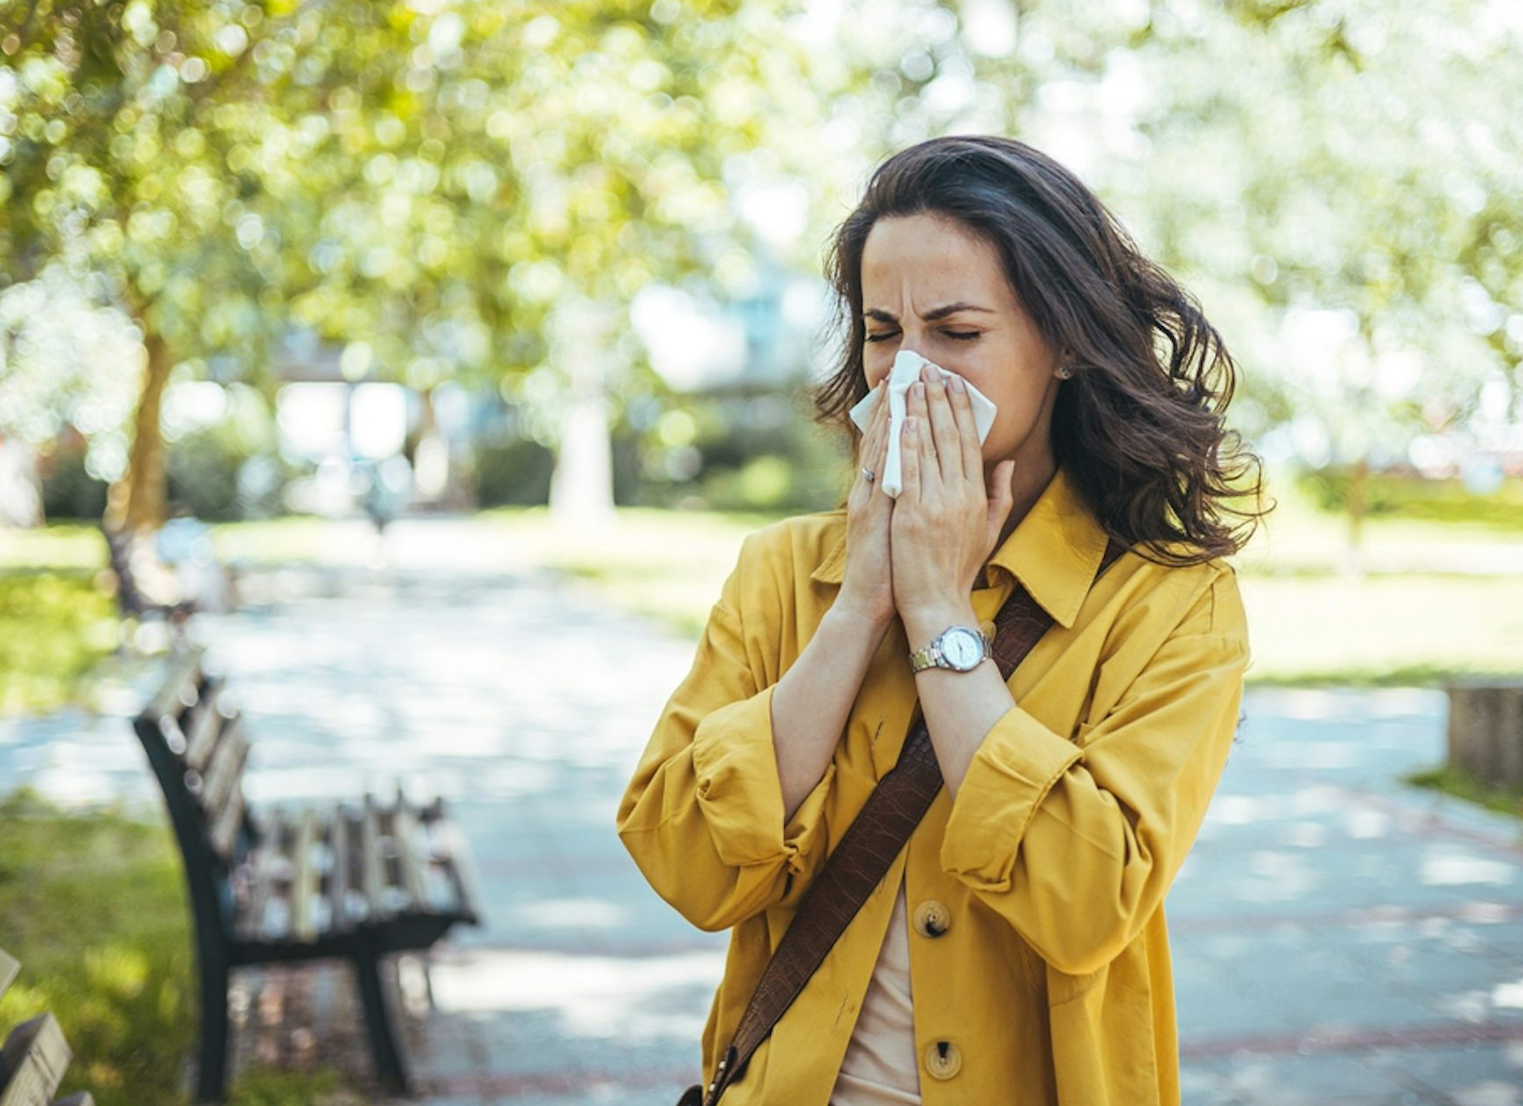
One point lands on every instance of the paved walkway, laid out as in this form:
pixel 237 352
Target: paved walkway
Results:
pixel 1338 937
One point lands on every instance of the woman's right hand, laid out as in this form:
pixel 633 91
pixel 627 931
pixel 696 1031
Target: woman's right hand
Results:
pixel 867 588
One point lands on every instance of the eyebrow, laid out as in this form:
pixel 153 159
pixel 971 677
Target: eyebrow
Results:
pixel 931 316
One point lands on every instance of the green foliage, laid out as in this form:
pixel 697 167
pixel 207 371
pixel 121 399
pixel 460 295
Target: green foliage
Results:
pixel 739 453
pixel 429 185
pixel 68 490
pixel 471 190
pixel 55 626
pixel 203 475
pixel 764 483
pixel 1329 177
pixel 1394 496
pixel 210 461
pixel 514 471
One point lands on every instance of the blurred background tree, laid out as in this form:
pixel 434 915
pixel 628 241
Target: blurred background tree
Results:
pixel 128 158
pixel 549 205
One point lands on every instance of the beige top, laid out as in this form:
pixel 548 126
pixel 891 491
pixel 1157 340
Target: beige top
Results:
pixel 880 1067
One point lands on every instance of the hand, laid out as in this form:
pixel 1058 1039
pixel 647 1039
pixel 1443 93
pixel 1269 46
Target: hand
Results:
pixel 866 583
pixel 945 522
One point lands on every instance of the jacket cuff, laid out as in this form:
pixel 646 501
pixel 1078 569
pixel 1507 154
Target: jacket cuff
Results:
pixel 740 794
pixel 1015 766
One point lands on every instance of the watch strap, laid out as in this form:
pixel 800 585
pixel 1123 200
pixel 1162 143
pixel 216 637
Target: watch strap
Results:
pixel 930 655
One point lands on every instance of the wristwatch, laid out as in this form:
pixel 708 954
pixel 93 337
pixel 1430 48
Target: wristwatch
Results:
pixel 960 648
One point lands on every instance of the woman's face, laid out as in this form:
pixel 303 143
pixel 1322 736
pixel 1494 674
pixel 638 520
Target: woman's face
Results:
pixel 932 286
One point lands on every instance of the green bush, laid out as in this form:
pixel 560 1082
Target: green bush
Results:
pixel 68 491
pixel 204 468
pixel 230 469
pixel 1389 495
pixel 757 453
pixel 513 471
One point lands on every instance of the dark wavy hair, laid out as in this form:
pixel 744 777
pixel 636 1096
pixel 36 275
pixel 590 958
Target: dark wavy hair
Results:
pixel 1139 425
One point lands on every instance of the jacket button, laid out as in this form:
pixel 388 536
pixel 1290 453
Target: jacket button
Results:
pixel 932 919
pixel 943 1060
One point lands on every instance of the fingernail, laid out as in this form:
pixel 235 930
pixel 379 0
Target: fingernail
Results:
pixel 909 425
pixel 919 389
pixel 955 384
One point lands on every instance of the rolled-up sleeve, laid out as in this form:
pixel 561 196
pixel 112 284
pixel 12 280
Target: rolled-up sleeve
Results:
pixel 703 816
pixel 1076 843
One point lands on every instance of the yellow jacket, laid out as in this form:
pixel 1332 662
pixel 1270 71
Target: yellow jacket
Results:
pixel 1052 981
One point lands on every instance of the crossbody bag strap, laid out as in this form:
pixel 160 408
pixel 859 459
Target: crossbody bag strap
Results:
pixel 867 850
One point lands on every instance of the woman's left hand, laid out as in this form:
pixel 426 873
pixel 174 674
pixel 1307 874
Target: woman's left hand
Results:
pixel 945 522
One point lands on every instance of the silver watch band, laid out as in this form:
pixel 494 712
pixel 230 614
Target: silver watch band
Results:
pixel 930 655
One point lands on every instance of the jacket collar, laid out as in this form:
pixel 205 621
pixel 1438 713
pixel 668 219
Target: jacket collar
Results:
pixel 1054 551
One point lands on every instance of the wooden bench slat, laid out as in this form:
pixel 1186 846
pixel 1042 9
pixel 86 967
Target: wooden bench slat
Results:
pixel 372 880
pixel 455 856
pixel 35 1057
pixel 8 969
pixel 394 897
pixel 268 865
pixel 223 833
pixel 226 768
pixel 304 880
pixel 184 668
pixel 202 725
pixel 338 873
pixel 413 878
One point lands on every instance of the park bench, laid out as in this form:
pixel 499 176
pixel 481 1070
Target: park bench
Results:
pixel 354 880
pixel 34 1057
pixel 123 550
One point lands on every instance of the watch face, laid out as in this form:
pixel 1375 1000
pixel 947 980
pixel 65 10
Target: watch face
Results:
pixel 962 648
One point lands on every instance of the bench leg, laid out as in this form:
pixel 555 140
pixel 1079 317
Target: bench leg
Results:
pixel 383 1040
pixel 211 1076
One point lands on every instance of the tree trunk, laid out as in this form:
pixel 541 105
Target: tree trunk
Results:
pixel 581 487
pixel 137 500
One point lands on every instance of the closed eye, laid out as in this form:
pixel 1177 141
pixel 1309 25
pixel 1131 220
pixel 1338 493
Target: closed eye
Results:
pixel 960 335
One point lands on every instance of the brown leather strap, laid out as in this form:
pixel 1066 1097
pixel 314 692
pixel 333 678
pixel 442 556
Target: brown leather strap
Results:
pixel 868 848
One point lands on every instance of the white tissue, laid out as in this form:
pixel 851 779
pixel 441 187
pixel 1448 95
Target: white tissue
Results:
pixel 905 372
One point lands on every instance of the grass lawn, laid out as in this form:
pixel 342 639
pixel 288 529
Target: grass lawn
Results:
pixel 1382 630
pixel 1309 623
pixel 95 911
pixel 55 626
pixel 1453 780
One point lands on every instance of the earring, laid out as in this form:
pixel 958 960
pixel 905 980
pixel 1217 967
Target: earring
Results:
pixel 1065 372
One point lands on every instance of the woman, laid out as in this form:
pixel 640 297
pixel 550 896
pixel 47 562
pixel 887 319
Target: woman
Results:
pixel 1017 950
